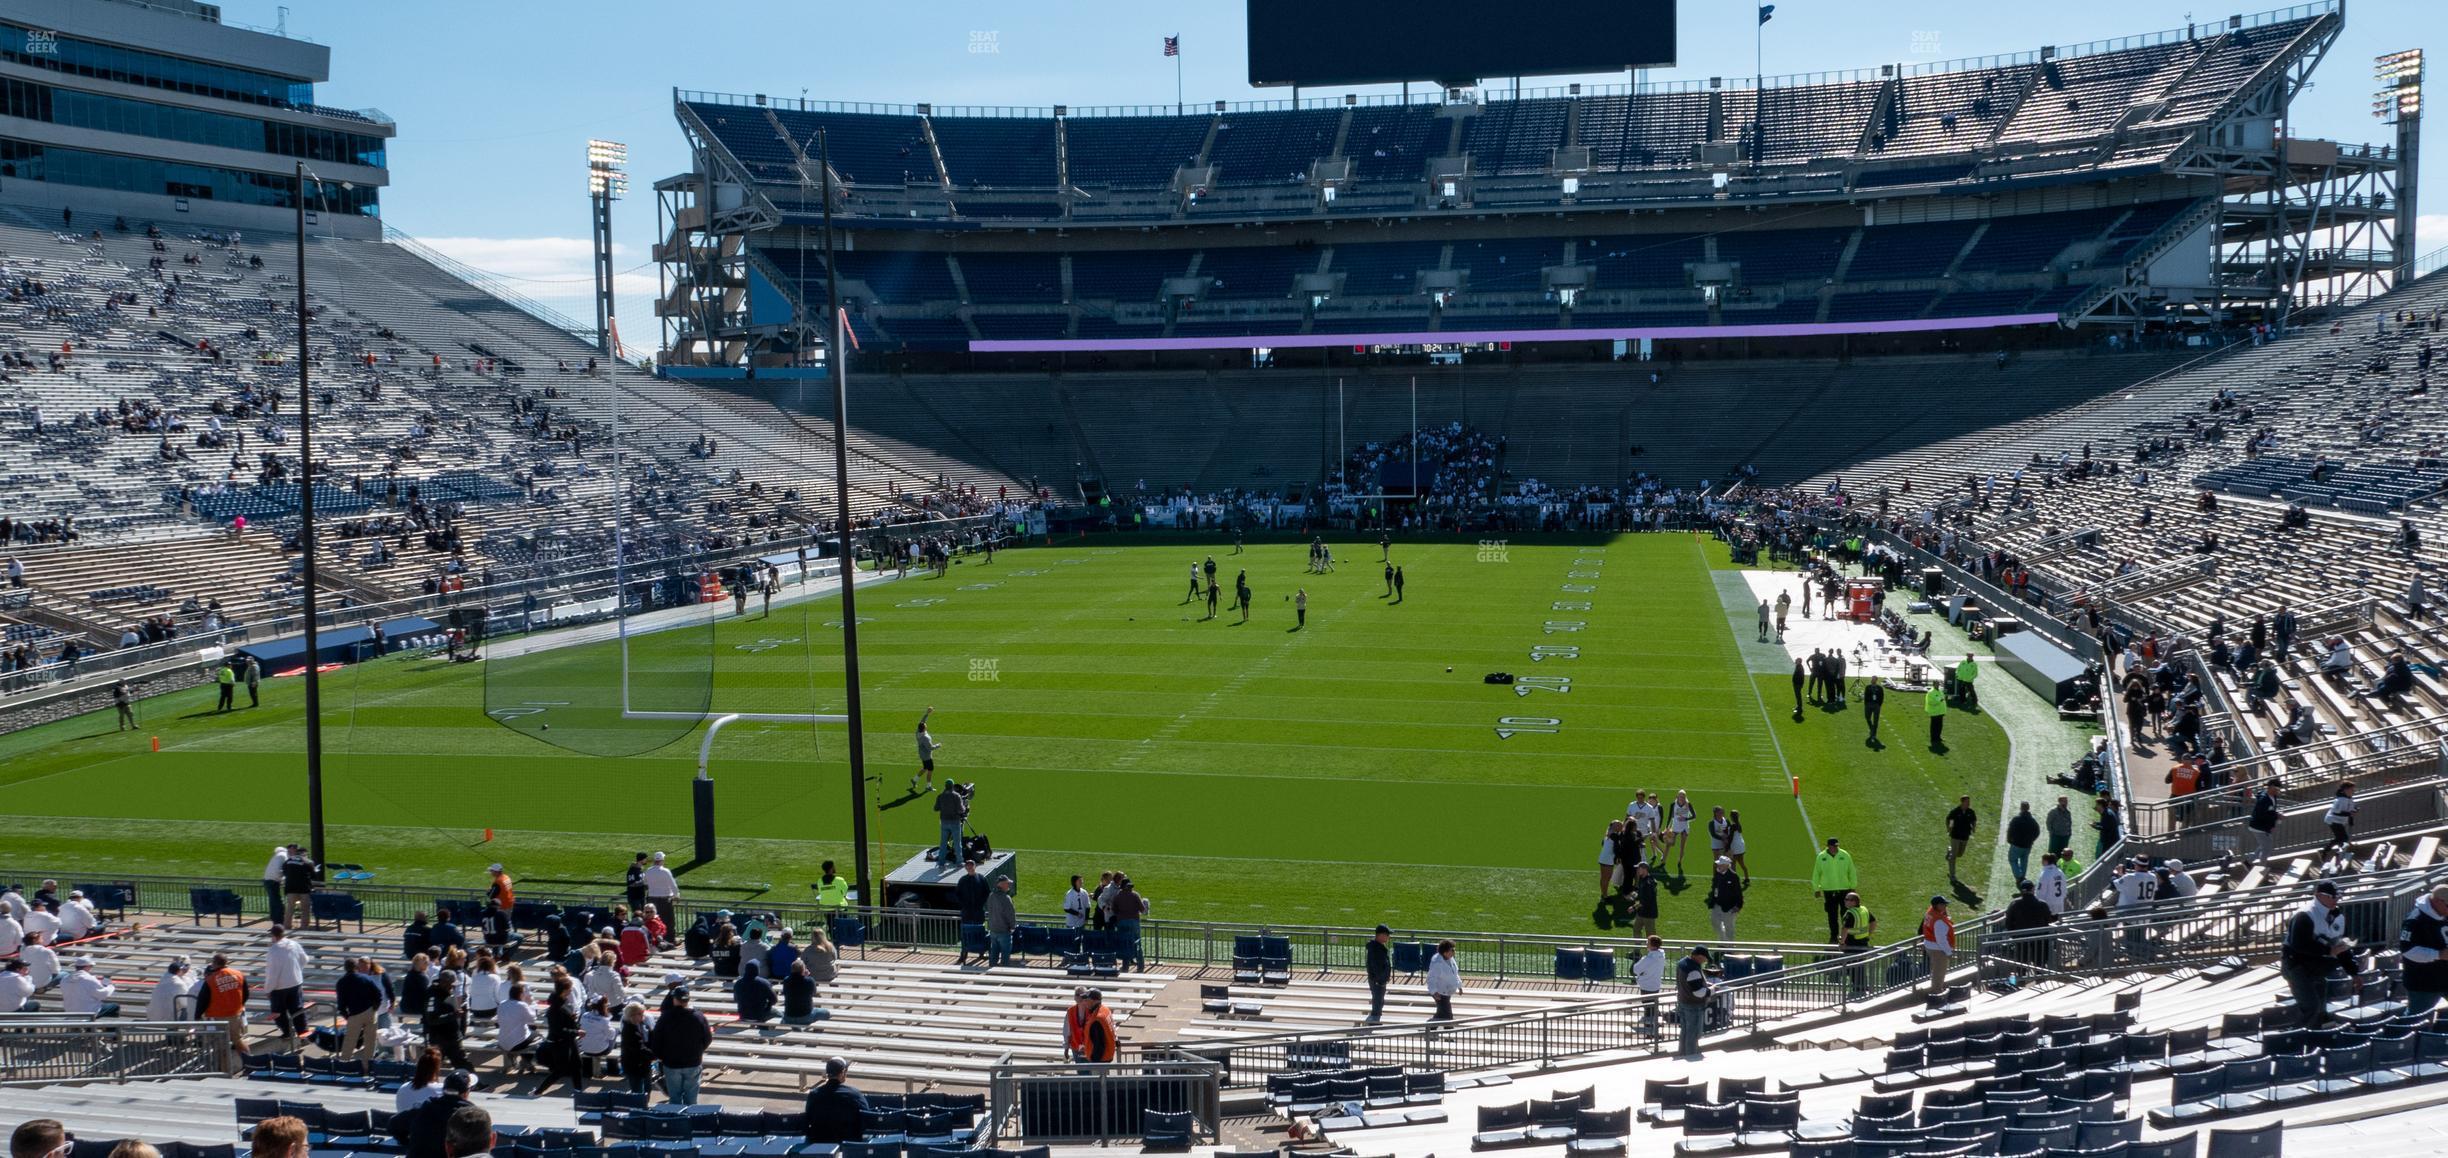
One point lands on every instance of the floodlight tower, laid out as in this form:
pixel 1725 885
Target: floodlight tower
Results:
pixel 2399 101
pixel 607 181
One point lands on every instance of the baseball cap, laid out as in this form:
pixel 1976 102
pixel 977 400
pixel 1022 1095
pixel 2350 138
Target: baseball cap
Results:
pixel 84 963
pixel 1725 862
pixel 458 1081
pixel 1079 992
pixel 2326 889
pixel 1937 900
pixel 494 867
pixel 676 980
pixel 658 858
pixel 1385 930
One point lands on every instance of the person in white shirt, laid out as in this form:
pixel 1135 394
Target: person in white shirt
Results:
pixel 1649 976
pixel 2340 818
pixel 272 876
pixel 14 902
pixel 285 981
pixel 84 991
pixel 39 920
pixel 662 889
pixel 514 1031
pixel 598 1033
pixel 1444 980
pixel 174 995
pixel 42 965
pixel 77 918
pixel 484 988
pixel 16 987
pixel 12 933
pixel 604 981
pixel 2051 885
pixel 2179 882
pixel 1077 904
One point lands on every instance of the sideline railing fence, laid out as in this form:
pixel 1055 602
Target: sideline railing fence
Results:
pixel 34 1053
pixel 1104 1102
pixel 1179 944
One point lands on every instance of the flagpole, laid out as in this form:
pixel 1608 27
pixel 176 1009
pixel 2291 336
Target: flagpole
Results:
pixel 1177 78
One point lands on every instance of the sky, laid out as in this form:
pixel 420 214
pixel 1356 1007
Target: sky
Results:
pixel 495 101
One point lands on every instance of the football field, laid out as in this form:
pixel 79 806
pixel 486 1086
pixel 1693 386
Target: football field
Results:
pixel 1353 770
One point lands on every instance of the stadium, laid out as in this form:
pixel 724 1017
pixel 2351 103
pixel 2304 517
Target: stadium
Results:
pixel 795 735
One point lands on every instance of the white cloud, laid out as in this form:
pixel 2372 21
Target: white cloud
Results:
pixel 2430 233
pixel 558 273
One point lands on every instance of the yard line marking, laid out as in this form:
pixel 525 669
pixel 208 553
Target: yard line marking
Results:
pixel 1743 671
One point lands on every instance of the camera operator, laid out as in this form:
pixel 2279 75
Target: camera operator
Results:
pixel 952 814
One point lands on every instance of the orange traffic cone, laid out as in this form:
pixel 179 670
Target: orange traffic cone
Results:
pixel 157 743
pixel 488 836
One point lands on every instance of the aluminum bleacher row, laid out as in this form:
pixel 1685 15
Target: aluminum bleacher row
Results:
pixel 433 410
pixel 2137 94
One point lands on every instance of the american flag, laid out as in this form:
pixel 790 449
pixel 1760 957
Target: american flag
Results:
pixel 1172 46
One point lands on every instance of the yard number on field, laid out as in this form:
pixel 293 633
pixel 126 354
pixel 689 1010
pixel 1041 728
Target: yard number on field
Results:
pixel 1541 653
pixel 1524 685
pixel 1541 725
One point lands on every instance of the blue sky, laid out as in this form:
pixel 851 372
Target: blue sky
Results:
pixel 495 101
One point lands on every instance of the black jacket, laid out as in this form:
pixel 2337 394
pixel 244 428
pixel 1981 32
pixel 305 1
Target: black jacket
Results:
pixel 1873 694
pixel 2305 951
pixel 971 892
pixel 2023 831
pixel 356 993
pixel 680 1039
pixel 1644 897
pixel 1960 821
pixel 2264 813
pixel 419 1131
pixel 297 875
pixel 836 1112
pixel 798 995
pixel 2422 930
pixel 1380 963
pixel 1725 891
pixel 636 1051
pixel 2028 912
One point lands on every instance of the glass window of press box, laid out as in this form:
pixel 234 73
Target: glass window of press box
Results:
pixel 39 48
pixel 83 110
pixel 27 161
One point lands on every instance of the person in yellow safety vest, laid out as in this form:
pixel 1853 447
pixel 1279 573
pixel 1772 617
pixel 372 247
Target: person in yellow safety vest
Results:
pixel 1832 876
pixel 1936 702
pixel 833 892
pixel 1965 673
pixel 227 677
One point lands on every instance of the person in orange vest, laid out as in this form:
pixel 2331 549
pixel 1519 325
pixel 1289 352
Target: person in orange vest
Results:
pixel 499 891
pixel 1938 943
pixel 1088 1029
pixel 225 993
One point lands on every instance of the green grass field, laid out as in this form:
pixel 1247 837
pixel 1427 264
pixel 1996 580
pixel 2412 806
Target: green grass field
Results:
pixel 1333 775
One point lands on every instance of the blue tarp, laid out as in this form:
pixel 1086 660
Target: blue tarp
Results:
pixel 337 644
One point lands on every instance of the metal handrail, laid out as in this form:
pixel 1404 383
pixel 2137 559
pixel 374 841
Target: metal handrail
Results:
pixel 1101 1102
pixel 48 1052
pixel 1184 944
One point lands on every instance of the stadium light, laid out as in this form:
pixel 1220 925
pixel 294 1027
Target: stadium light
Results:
pixel 2400 75
pixel 607 168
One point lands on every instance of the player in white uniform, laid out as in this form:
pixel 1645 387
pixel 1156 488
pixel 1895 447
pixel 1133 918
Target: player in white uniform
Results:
pixel 1644 819
pixel 1678 826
